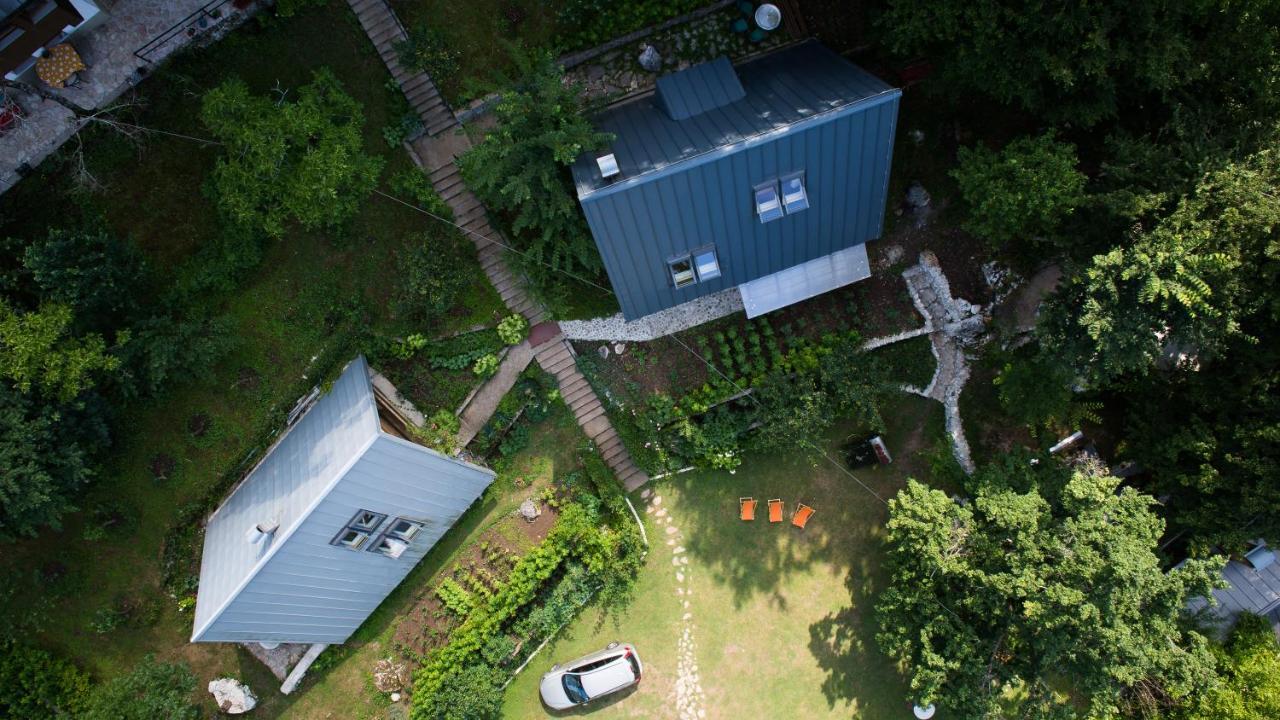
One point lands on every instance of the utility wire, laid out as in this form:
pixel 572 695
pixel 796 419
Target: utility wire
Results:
pixel 487 238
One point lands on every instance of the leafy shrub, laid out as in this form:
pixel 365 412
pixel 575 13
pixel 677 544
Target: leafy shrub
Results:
pixel 151 690
pixel 40 351
pixel 513 329
pixel 430 283
pixel 426 49
pixel 1250 669
pixel 409 125
pixel 486 365
pixel 441 431
pixel 1021 194
pixel 472 693
pixel 415 186
pixel 455 353
pixel 39 685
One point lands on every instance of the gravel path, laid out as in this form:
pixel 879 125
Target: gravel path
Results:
pixel 662 323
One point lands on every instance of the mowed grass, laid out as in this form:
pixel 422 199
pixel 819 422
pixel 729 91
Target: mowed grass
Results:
pixel 346 690
pixel 780 618
pixel 311 292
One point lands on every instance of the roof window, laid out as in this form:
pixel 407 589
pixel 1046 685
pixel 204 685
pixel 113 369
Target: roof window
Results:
pixel 707 264
pixel 767 206
pixel 794 196
pixel 681 269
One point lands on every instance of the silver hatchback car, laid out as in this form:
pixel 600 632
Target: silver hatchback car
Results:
pixel 615 668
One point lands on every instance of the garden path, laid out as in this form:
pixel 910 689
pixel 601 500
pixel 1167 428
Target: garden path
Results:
pixel 556 356
pixel 436 152
pixel 952 322
pixel 481 406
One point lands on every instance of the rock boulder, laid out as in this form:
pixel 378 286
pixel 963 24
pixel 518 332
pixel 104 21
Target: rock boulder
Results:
pixel 233 697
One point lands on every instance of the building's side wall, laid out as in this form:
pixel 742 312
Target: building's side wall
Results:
pixel 311 591
pixel 846 162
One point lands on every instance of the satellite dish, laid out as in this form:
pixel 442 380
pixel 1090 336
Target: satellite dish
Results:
pixel 768 16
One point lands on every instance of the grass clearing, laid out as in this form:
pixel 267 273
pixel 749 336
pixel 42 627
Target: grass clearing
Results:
pixel 781 618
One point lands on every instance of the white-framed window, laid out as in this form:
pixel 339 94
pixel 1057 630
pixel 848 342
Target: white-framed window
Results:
pixel 681 269
pixel 706 263
pixel 397 537
pixel 768 207
pixel 358 530
pixel 794 196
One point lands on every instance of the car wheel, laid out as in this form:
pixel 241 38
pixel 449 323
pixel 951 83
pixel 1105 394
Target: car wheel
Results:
pixel 612 645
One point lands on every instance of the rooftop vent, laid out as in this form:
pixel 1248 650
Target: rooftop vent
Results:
pixel 1260 557
pixel 608 166
pixel 261 531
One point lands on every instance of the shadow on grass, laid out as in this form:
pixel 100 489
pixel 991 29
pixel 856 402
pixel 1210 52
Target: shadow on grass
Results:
pixel 843 539
pixel 595 705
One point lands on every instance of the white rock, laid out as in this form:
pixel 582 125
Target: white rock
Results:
pixel 232 696
pixel 619 348
pixel 679 577
pixel 395 697
pixel 657 499
pixel 672 530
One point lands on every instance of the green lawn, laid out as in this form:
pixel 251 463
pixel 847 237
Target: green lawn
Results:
pixel 780 618
pixel 313 294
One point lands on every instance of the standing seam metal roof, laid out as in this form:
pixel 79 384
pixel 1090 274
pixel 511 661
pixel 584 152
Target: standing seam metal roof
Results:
pixel 781 89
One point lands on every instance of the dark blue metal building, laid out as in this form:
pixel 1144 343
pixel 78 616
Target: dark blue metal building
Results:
pixel 768 177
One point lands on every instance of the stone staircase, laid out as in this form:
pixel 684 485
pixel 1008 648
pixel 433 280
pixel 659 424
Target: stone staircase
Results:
pixel 435 153
pixel 469 213
pixel 556 356
pixel 384 30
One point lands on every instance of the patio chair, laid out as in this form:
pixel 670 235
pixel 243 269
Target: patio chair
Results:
pixel 11 114
pixel 775 510
pixel 747 508
pixel 801 516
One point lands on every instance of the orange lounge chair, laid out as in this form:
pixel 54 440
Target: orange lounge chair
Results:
pixel 747 508
pixel 802 515
pixel 775 510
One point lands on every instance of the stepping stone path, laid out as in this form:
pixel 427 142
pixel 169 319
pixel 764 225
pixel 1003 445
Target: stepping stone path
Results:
pixel 951 323
pixel 690 698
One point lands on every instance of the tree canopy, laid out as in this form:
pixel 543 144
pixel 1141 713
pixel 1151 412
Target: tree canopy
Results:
pixel 1047 579
pixel 1081 62
pixel 302 160
pixel 520 166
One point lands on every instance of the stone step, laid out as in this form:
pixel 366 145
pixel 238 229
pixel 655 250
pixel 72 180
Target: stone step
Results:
pixel 442 172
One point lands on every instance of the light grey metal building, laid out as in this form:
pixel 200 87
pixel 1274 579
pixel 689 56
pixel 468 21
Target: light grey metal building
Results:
pixel 331 520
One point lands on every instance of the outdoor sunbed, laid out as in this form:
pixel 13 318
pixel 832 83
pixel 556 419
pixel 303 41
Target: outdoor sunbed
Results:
pixel 775 510
pixel 747 508
pixel 802 515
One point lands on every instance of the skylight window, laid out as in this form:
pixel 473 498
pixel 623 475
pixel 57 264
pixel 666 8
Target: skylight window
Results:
pixel 767 206
pixel 397 538
pixel 681 271
pixel 794 196
pixel 358 530
pixel 707 264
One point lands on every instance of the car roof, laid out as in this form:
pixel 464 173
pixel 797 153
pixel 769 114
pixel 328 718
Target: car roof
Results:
pixel 610 677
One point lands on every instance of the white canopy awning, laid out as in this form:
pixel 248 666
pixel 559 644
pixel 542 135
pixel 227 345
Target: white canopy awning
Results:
pixel 803 281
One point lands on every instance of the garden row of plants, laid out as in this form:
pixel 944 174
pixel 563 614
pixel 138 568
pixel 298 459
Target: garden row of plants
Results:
pixel 593 551
pixel 533 398
pixel 762 392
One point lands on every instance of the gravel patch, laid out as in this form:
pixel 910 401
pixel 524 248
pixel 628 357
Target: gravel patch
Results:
pixel 662 323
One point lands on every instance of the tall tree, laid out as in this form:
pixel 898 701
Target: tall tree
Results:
pixel 47 456
pixel 1190 284
pixel 39 352
pixel 521 165
pixel 1081 62
pixel 301 160
pixel 1047 576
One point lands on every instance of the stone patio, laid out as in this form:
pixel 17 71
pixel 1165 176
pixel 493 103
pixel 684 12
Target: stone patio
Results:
pixel 108 49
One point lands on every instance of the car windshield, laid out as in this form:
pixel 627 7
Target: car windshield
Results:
pixel 573 688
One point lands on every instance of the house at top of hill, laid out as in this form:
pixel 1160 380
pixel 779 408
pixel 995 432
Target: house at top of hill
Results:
pixel 331 520
pixel 768 177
